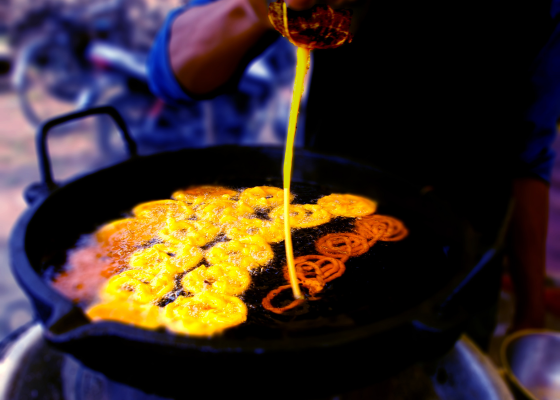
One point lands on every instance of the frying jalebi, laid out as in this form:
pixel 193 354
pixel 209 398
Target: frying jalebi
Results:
pixel 204 314
pixel 127 312
pixel 196 233
pixel 223 212
pixel 155 257
pixel 314 271
pixel 133 231
pixel 303 215
pixel 223 278
pixel 387 229
pixel 331 268
pixel 271 231
pixel 267 301
pixel 248 252
pixel 143 257
pixel 144 287
pixel 309 274
pixel 189 195
pixel 181 258
pixel 347 205
pixel 263 197
pixel 342 245
pixel 162 209
pixel 119 239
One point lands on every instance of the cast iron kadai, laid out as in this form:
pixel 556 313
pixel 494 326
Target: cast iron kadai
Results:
pixel 422 321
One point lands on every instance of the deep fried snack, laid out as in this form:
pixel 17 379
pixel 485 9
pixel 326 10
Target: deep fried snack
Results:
pixel 321 27
pixel 302 215
pixel 84 274
pixel 132 231
pixel 263 197
pixel 163 209
pixel 193 193
pixel 186 257
pixel 309 274
pixel 331 267
pixel 267 301
pixel 195 233
pixel 271 231
pixel 365 230
pixel 143 287
pixel 342 245
pixel 127 312
pixel 204 314
pixel 173 259
pixel 387 229
pixel 223 212
pixel 119 239
pixel 248 252
pixel 347 205
pixel 223 278
pixel 157 257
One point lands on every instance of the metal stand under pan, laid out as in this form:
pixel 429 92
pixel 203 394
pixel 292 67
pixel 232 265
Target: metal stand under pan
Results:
pixel 31 369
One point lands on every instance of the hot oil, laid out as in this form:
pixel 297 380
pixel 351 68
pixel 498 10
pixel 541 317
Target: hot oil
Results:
pixel 390 278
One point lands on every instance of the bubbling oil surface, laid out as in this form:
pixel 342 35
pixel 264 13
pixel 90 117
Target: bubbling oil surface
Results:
pixel 389 278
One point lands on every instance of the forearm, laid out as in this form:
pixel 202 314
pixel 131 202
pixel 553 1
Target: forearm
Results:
pixel 210 43
pixel 527 250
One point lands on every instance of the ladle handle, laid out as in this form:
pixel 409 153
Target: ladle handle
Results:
pixel 45 166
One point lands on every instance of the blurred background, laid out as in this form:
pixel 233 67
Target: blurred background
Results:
pixel 59 56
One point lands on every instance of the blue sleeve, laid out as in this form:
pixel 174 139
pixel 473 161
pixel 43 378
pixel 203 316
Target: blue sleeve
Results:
pixel 161 79
pixel 542 115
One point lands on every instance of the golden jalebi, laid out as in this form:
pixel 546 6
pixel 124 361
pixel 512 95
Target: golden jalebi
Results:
pixel 347 205
pixel 204 242
pixel 162 209
pixel 303 215
pixel 127 312
pixel 247 252
pixel 196 233
pixel 204 314
pixel 195 193
pixel 222 278
pixel 263 197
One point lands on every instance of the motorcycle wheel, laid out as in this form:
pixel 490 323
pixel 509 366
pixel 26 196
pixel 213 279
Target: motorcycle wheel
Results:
pixel 49 81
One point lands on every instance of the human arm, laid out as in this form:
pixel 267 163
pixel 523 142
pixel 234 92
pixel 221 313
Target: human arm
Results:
pixel 527 251
pixel 209 44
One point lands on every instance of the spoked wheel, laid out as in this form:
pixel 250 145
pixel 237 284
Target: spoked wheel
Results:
pixel 50 81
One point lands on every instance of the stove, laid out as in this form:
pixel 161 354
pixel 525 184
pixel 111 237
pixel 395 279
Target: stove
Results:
pixel 32 369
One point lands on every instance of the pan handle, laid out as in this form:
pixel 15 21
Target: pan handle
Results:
pixel 47 184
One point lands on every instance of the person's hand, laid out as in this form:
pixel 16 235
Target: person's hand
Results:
pixel 260 10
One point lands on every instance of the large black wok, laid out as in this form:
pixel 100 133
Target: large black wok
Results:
pixel 417 308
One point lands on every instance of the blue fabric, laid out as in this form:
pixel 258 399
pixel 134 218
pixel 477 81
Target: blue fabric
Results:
pixel 160 75
pixel 243 115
